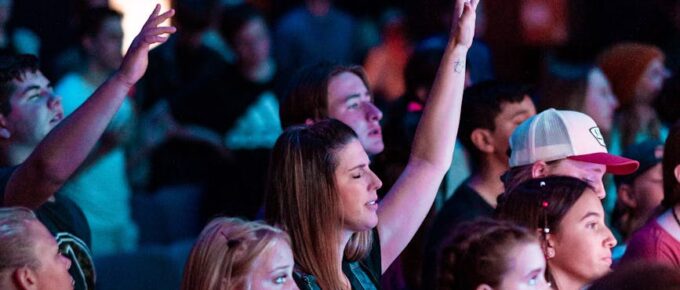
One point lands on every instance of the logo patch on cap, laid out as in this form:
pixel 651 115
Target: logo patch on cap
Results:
pixel 595 131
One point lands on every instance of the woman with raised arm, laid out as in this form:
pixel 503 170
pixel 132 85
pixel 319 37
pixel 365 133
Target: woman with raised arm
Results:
pixel 323 193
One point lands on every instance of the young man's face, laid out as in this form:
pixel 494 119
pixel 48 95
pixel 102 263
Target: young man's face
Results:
pixel 511 115
pixel 35 110
pixel 350 102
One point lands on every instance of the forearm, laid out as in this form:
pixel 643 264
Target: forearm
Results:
pixel 436 133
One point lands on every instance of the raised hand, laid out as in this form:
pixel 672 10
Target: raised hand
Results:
pixel 463 26
pixel 137 57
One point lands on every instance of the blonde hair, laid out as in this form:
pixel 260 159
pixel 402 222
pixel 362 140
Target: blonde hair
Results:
pixel 16 244
pixel 225 251
pixel 302 198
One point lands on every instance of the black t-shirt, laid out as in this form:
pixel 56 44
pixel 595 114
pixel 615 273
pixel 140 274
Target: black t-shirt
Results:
pixel 465 205
pixel 362 275
pixel 64 219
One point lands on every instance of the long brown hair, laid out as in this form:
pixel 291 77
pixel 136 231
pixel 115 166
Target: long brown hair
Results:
pixel 302 198
pixel 307 96
pixel 225 251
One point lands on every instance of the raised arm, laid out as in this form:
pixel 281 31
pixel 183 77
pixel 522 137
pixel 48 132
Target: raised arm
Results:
pixel 404 208
pixel 65 148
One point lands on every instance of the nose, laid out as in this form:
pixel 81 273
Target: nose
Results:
pixel 599 189
pixel 609 240
pixel 54 102
pixel 376 183
pixel 372 112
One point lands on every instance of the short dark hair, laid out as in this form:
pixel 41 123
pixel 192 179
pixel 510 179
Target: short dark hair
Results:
pixel 307 93
pixel 671 159
pixel 481 105
pixel 234 18
pixel 93 20
pixel 13 67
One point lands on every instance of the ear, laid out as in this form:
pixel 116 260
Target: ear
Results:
pixel 4 131
pixel 309 122
pixel 676 172
pixel 539 169
pixel 484 287
pixel 549 247
pixel 627 195
pixel 25 278
pixel 481 138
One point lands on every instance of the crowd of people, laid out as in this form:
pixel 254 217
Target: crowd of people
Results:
pixel 254 161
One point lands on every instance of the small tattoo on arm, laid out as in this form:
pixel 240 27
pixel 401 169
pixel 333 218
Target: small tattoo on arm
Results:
pixel 459 66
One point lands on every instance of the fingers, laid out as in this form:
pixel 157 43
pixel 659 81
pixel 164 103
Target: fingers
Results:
pixel 157 20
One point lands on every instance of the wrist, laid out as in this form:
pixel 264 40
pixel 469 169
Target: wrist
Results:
pixel 119 79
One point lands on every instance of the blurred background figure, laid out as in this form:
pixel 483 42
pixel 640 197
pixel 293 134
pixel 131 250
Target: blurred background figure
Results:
pixel 637 73
pixel 15 40
pixel 657 241
pixel 101 187
pixel 638 194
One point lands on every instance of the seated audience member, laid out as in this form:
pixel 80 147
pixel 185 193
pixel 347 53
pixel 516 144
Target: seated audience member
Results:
pixel 100 188
pixel 581 89
pixel 489 254
pixel 569 217
pixel 659 239
pixel 322 191
pixel 639 276
pixel 557 142
pixel 40 149
pixel 29 254
pixel 232 253
pixel 639 193
pixel 637 73
pixel 490 112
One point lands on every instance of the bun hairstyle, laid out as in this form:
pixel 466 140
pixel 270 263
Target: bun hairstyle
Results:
pixel 225 251
pixel 478 253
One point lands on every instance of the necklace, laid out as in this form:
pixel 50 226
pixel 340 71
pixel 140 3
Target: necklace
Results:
pixel 677 220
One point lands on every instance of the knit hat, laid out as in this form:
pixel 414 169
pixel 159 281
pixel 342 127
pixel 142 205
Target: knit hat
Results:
pixel 624 64
pixel 556 134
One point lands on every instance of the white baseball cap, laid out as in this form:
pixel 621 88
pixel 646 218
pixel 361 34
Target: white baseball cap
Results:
pixel 557 134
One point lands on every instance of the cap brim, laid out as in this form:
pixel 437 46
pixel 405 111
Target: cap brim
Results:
pixel 615 164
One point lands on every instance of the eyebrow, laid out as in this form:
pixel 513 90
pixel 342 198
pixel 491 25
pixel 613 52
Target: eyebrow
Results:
pixel 29 88
pixel 279 268
pixel 362 165
pixel 352 96
pixel 589 215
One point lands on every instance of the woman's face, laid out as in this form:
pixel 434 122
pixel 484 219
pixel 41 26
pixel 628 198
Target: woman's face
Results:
pixel 252 43
pixel 582 244
pixel 651 81
pixel 273 268
pixel 357 187
pixel 600 101
pixel 526 269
